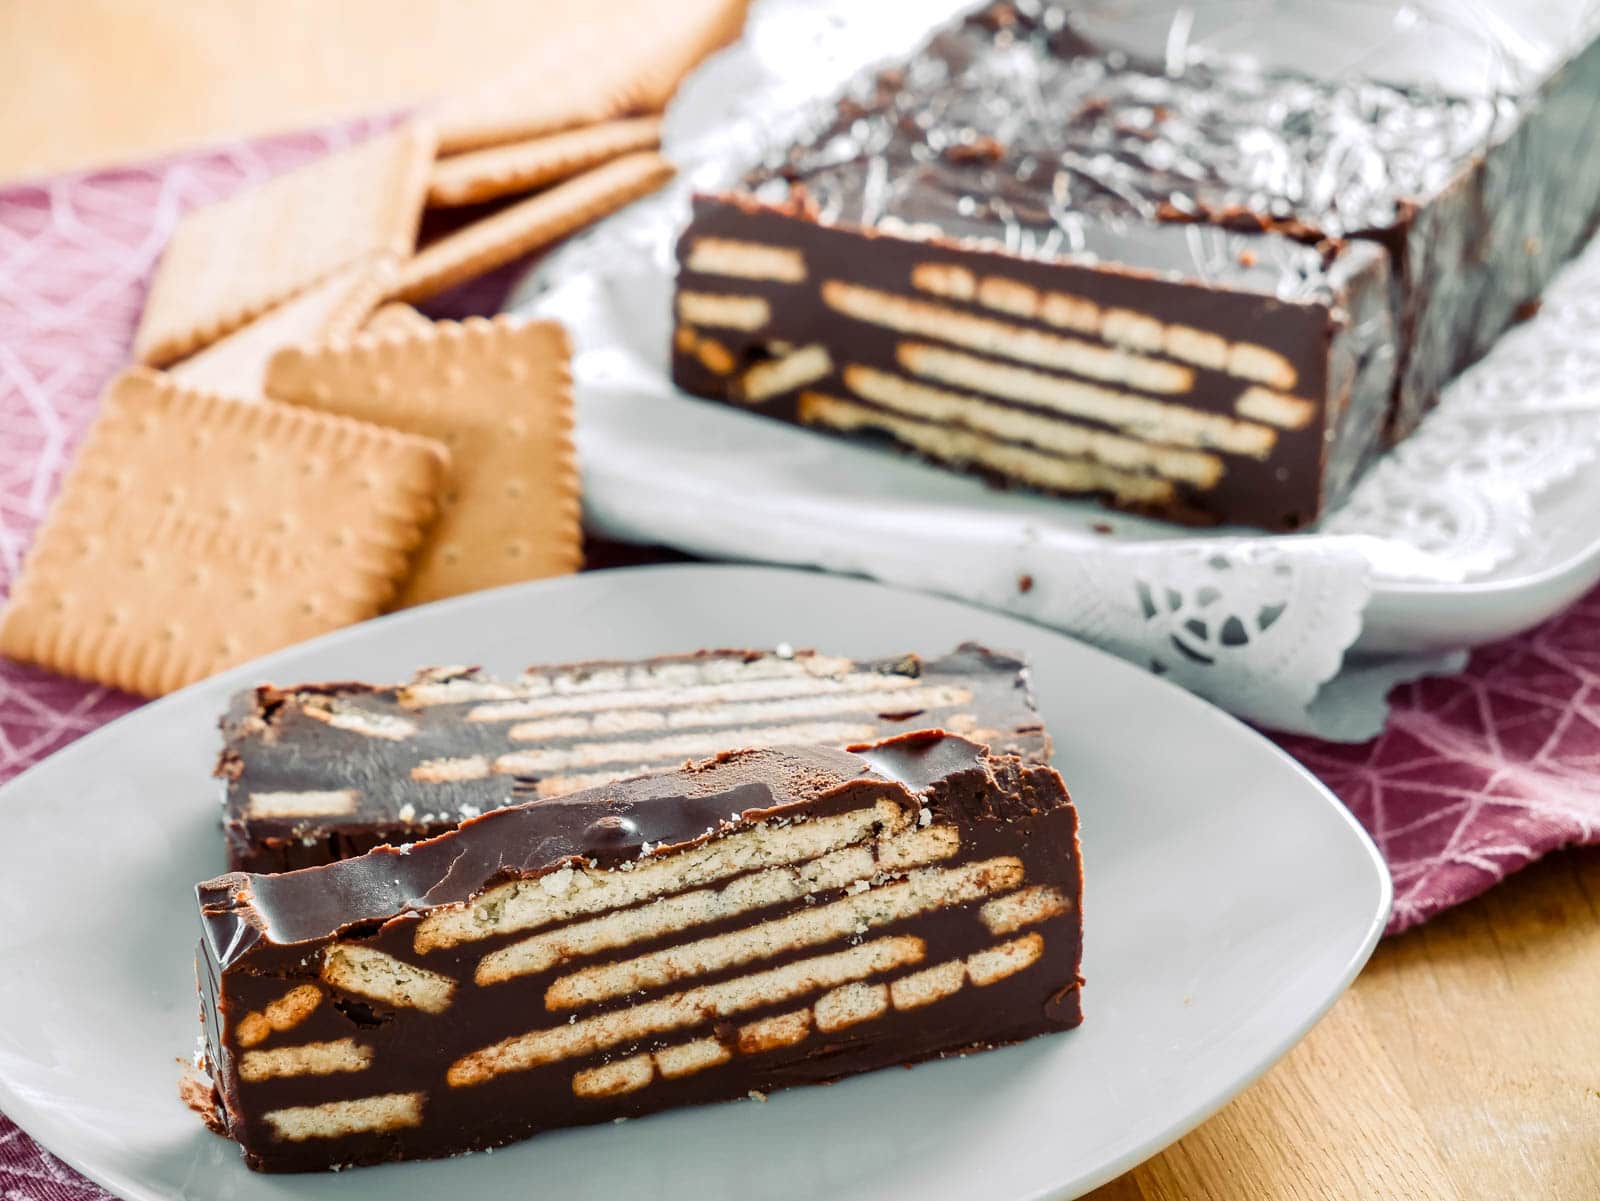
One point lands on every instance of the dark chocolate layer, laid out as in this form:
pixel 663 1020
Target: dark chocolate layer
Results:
pixel 1331 335
pixel 764 919
pixel 320 772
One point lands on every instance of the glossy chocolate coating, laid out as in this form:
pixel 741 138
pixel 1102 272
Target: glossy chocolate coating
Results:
pixel 271 745
pixel 264 934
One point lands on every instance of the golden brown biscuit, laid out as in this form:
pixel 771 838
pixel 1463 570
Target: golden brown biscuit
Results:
pixel 196 531
pixel 498 393
pixel 396 317
pixel 529 224
pixel 335 308
pixel 232 261
pixel 521 166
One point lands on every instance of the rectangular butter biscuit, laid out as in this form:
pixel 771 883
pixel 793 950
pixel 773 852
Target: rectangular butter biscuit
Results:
pixel 498 393
pixel 195 532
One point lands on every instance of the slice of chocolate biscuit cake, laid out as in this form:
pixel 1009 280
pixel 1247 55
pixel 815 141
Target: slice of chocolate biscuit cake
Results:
pixel 319 772
pixel 763 919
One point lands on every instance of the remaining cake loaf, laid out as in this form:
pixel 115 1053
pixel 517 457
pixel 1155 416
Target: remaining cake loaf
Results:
pixel 763 919
pixel 323 771
pixel 1200 289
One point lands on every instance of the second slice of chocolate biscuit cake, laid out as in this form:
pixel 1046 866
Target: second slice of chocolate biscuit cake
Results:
pixel 763 919
pixel 1202 285
pixel 319 772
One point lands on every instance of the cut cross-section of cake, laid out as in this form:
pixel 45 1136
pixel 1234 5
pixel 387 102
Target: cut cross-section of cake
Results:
pixel 762 919
pixel 320 772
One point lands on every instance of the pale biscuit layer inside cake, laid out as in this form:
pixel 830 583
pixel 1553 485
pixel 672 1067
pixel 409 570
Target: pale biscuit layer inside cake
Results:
pixel 921 893
pixel 586 1036
pixel 749 686
pixel 679 717
pixel 784 374
pixel 353 720
pixel 572 892
pixel 747 260
pixel 338 1119
pixel 850 1004
pixel 904 315
pixel 1154 420
pixel 1123 327
pixel 1068 438
pixel 719 311
pixel 285 1013
pixel 686 910
pixel 307 1059
pixel 1025 907
pixel 368 972
pixel 962 448
pixel 680 746
pixel 326 802
pixel 1275 408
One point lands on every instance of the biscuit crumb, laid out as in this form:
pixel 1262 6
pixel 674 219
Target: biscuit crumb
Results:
pixel 198 1095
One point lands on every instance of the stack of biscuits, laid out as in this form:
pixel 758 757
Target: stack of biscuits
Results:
pixel 295 447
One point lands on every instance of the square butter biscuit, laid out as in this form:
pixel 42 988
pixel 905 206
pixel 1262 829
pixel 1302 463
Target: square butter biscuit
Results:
pixel 229 262
pixel 335 308
pixel 530 224
pixel 498 394
pixel 396 317
pixel 195 531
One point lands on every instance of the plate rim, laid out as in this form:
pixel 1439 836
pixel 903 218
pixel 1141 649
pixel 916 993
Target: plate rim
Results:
pixel 1586 557
pixel 25 1116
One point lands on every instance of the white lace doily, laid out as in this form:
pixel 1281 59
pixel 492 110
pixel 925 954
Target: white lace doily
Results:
pixel 1259 624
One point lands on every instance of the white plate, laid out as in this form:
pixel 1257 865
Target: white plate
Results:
pixel 1551 571
pixel 1229 899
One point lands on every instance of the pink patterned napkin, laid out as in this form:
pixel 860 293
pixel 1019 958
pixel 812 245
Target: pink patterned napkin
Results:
pixel 1473 778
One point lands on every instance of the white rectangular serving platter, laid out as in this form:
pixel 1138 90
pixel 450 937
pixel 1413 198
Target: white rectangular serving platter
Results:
pixel 1229 900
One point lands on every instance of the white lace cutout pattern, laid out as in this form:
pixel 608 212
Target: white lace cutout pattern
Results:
pixel 1524 419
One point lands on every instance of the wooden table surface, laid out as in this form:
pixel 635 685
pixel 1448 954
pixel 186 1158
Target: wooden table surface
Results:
pixel 1465 1062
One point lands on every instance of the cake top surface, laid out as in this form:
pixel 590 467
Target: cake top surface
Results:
pixel 606 826
pixel 461 690
pixel 1014 125
pixel 375 743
